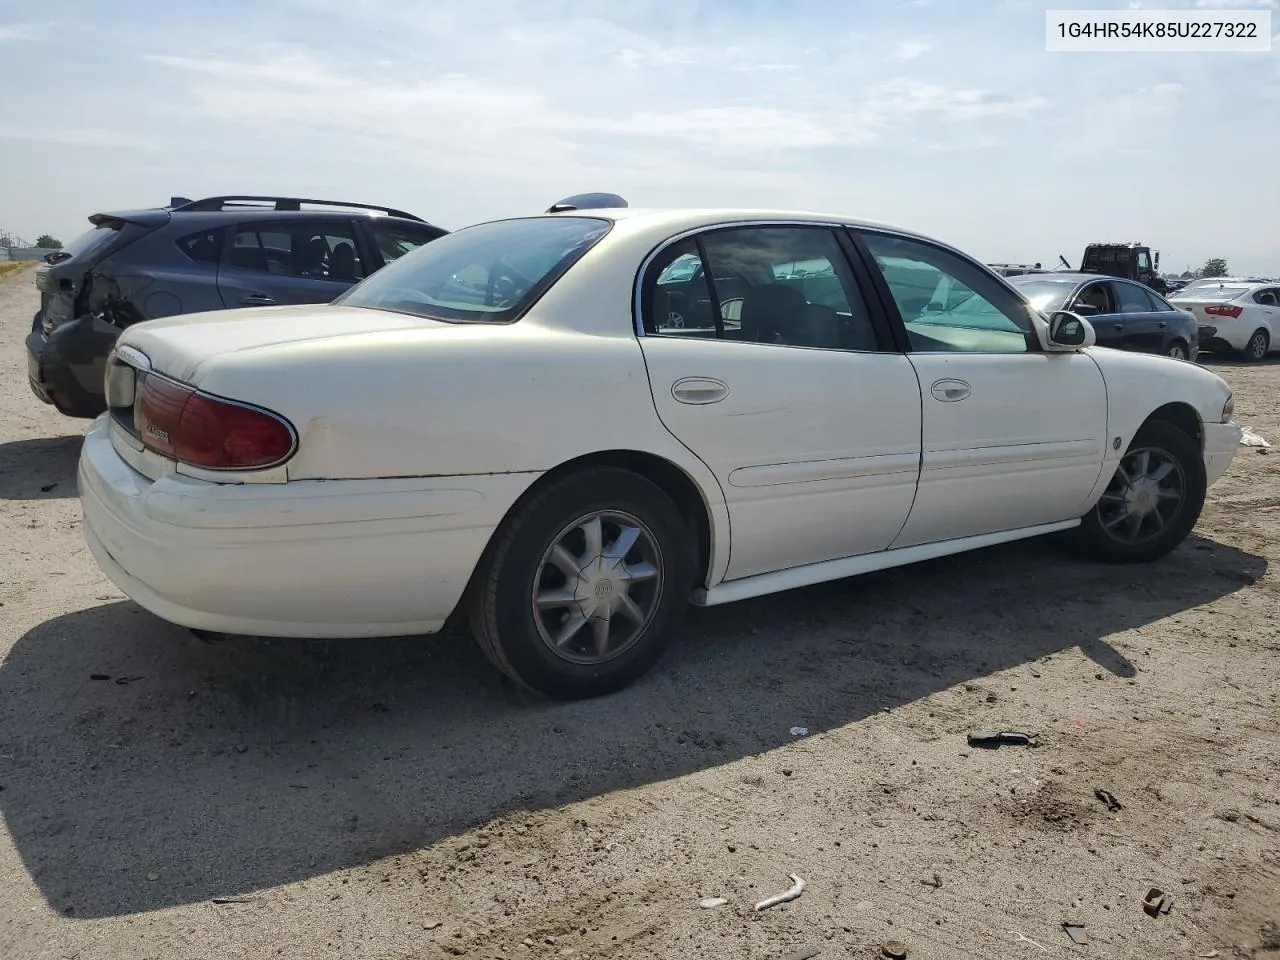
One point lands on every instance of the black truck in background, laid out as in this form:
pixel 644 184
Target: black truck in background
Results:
pixel 1128 261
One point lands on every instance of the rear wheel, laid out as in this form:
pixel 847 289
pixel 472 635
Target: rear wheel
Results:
pixel 583 586
pixel 1178 351
pixel 1153 500
pixel 1258 346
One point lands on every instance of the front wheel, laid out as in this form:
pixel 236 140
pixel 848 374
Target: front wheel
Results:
pixel 584 584
pixel 1153 500
pixel 1258 346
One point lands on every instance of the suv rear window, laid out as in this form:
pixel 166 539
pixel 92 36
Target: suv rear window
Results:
pixel 490 273
pixel 92 241
pixel 394 241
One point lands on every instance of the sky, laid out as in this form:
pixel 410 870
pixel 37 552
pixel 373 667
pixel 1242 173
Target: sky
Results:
pixel 943 116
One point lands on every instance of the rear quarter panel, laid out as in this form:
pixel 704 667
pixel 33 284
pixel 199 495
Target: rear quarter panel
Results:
pixel 151 278
pixel 462 400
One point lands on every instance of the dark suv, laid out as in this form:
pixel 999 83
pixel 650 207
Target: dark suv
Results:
pixel 192 256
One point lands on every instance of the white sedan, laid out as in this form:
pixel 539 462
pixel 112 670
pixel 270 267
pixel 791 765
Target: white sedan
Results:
pixel 567 427
pixel 1244 313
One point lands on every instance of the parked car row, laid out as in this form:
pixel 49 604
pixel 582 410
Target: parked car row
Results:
pixel 195 256
pixel 565 428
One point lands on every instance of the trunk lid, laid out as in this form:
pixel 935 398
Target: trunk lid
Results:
pixel 1198 307
pixel 177 346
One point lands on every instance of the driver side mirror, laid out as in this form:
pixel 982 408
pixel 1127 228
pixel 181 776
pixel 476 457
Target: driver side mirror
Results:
pixel 1070 330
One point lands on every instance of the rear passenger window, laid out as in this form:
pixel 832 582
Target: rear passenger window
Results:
pixel 1131 298
pixel 787 286
pixel 394 240
pixel 316 251
pixel 202 247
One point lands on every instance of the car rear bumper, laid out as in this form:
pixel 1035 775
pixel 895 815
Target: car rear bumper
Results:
pixel 336 558
pixel 1231 333
pixel 1221 441
pixel 60 373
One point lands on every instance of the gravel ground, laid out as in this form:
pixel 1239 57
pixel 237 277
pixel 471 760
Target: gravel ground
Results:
pixel 393 799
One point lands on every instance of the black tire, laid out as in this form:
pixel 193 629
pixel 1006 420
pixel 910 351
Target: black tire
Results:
pixel 1177 351
pixel 1258 347
pixel 1166 439
pixel 501 601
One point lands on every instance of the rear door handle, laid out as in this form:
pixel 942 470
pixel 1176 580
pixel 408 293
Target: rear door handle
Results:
pixel 1161 324
pixel 1118 326
pixel 949 391
pixel 699 390
pixel 257 300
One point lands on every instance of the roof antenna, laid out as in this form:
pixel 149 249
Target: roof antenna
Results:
pixel 588 201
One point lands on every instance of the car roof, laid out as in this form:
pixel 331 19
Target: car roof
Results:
pixel 1054 276
pixel 1232 281
pixel 677 215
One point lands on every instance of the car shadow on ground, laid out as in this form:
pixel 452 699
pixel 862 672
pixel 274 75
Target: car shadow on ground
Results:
pixel 145 768
pixel 43 468
pixel 1235 360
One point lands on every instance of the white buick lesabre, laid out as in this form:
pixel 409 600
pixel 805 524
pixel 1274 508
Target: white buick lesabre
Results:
pixel 569 426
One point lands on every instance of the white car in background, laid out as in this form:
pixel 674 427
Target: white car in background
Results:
pixel 567 427
pixel 1244 313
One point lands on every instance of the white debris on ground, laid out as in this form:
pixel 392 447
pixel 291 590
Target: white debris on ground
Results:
pixel 1251 439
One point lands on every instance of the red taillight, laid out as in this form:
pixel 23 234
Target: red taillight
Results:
pixel 180 422
pixel 1224 310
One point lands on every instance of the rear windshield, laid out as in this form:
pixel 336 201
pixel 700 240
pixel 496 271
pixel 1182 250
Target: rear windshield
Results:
pixel 1107 255
pixel 1220 291
pixel 490 273
pixel 93 241
pixel 1046 295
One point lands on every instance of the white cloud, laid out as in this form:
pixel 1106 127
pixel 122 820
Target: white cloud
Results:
pixel 911 49
pixel 1164 89
pixel 479 124
pixel 72 136
pixel 16 31
pixel 1234 4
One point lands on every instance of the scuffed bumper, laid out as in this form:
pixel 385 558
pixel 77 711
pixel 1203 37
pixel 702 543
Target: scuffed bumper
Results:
pixel 1221 441
pixel 339 558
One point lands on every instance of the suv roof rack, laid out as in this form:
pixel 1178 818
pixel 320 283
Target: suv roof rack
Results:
pixel 280 203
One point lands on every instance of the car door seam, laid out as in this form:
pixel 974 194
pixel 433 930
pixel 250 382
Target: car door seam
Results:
pixel 915 495
pixel 653 400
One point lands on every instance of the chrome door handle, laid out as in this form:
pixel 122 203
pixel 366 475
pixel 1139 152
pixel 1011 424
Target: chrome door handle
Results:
pixel 949 391
pixel 699 390
pixel 257 300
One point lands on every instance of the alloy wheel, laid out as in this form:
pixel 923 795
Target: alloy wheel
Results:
pixel 1145 496
pixel 597 587
pixel 1257 348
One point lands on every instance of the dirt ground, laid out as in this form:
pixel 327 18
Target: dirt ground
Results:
pixel 167 797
